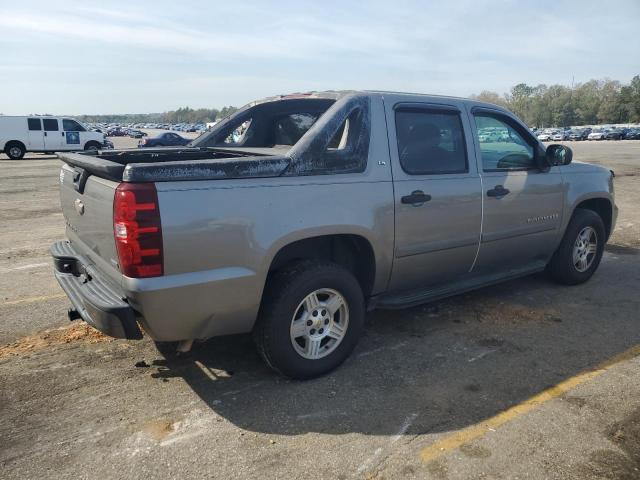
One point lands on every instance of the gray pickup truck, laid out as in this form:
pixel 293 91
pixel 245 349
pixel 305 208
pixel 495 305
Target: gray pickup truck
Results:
pixel 299 213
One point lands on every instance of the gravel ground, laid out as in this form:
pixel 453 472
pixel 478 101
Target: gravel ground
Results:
pixel 440 391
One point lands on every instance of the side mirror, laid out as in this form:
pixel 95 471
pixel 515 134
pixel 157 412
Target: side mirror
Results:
pixel 558 155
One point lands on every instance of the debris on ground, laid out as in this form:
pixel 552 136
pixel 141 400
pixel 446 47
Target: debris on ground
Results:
pixel 51 338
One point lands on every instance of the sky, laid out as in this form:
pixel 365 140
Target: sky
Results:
pixel 84 57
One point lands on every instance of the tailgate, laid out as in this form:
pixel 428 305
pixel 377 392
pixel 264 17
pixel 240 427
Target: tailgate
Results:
pixel 87 206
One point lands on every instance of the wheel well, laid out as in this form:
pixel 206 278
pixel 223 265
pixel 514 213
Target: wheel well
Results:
pixel 14 142
pixel 90 143
pixel 351 251
pixel 602 207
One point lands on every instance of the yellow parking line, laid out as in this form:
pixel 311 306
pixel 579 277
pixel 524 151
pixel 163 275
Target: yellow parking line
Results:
pixel 32 299
pixel 452 442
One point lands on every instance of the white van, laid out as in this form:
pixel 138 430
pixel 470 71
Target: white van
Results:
pixel 19 135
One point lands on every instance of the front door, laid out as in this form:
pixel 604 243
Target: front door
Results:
pixel 75 135
pixel 437 194
pixel 522 204
pixel 53 136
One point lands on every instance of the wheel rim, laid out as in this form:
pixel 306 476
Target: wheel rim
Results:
pixel 319 323
pixel 15 151
pixel 585 249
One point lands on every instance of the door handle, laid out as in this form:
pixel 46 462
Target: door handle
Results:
pixel 498 191
pixel 417 197
pixel 45 134
pixel 62 133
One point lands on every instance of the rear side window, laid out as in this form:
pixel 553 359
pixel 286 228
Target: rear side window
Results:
pixel 430 142
pixel 50 124
pixel 34 124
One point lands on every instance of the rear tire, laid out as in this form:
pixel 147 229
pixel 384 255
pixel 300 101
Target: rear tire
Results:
pixel 15 150
pixel 311 319
pixel 580 251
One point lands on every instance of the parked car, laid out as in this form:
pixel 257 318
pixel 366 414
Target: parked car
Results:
pixel 560 136
pixel 19 135
pixel 137 133
pixel 168 139
pixel 597 134
pixel 632 134
pixel 116 132
pixel 613 134
pixel 545 136
pixel 578 135
pixel 293 217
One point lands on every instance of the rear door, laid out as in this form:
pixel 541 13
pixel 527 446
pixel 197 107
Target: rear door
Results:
pixel 53 136
pixel 437 194
pixel 36 134
pixel 522 204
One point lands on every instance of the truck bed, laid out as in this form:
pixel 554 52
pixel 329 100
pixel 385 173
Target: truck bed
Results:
pixel 163 164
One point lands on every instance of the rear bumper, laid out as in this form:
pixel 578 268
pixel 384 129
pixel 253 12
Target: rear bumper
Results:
pixel 99 304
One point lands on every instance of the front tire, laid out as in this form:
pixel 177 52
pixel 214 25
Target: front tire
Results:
pixel 311 319
pixel 92 147
pixel 579 254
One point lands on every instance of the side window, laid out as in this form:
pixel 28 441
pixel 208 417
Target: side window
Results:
pixel 238 134
pixel 346 151
pixel 430 142
pixel 290 128
pixel 340 143
pixel 50 124
pixel 502 147
pixel 71 126
pixel 34 124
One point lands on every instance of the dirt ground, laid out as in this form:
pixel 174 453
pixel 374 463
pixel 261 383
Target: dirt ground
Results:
pixel 526 379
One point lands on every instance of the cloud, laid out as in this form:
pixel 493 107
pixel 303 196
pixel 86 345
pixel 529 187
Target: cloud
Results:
pixel 164 53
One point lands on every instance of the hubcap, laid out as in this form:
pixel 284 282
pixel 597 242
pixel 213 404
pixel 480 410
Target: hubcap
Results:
pixel 15 151
pixel 585 249
pixel 319 323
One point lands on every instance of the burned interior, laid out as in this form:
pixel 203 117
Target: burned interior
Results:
pixel 309 135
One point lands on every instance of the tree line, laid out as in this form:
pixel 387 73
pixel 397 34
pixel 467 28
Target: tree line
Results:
pixel 181 115
pixel 590 103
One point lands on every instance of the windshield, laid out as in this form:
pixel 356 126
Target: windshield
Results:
pixel 267 125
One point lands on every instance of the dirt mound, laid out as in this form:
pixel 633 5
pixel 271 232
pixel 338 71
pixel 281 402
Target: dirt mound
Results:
pixel 50 338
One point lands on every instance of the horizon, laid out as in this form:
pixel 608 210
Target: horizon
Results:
pixel 128 59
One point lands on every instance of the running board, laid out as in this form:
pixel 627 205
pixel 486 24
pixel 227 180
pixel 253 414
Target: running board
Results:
pixel 416 297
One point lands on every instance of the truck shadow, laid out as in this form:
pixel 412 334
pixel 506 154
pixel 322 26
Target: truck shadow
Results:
pixel 442 366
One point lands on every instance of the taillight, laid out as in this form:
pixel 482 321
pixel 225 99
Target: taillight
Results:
pixel 137 230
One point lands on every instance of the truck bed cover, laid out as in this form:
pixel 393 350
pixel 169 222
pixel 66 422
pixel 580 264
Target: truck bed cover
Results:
pixel 162 165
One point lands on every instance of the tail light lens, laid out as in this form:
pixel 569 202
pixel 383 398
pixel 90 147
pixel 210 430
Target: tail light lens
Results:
pixel 137 230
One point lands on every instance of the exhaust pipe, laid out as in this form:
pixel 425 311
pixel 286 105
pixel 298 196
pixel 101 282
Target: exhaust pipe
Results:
pixel 73 314
pixel 184 346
